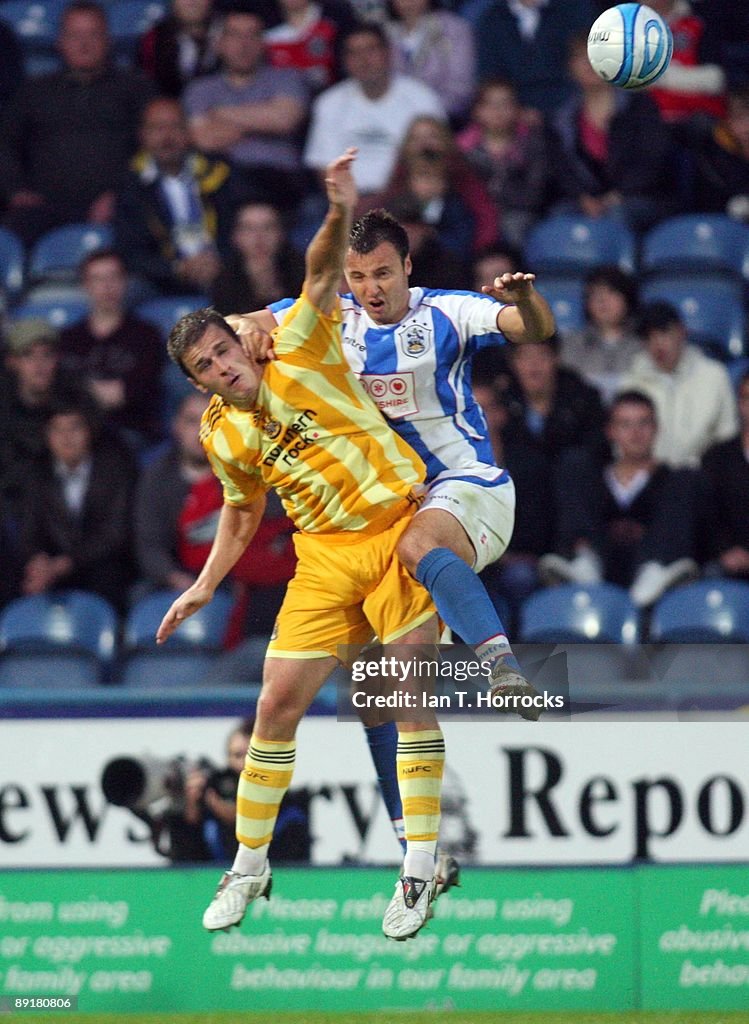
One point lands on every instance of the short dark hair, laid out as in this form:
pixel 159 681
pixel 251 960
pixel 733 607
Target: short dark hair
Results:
pixel 612 277
pixel 101 254
pixel 188 331
pixel 657 316
pixel 85 7
pixel 374 228
pixel 632 397
pixel 365 28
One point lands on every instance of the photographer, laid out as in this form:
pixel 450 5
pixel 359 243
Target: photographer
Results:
pixel 199 824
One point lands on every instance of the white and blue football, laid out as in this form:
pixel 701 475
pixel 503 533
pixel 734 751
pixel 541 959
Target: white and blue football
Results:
pixel 630 45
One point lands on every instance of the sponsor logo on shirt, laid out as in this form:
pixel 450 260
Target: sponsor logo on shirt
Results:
pixel 394 394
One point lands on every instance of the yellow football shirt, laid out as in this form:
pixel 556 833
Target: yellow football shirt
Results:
pixel 314 435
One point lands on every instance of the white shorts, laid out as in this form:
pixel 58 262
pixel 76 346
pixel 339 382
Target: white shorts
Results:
pixel 486 511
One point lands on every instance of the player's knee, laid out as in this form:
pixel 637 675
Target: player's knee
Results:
pixel 277 714
pixel 411 548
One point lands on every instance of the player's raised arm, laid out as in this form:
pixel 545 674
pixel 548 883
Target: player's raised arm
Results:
pixel 529 317
pixel 326 251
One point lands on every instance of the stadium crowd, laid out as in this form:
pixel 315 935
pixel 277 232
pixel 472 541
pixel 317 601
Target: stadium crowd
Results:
pixel 193 154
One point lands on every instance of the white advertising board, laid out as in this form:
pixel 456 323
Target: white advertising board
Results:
pixel 521 793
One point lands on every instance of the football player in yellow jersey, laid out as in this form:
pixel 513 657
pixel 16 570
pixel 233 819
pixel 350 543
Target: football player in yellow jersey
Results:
pixel 305 426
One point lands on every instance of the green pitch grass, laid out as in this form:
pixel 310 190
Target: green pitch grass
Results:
pixel 431 1017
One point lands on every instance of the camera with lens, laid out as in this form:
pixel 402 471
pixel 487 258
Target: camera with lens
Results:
pixel 151 786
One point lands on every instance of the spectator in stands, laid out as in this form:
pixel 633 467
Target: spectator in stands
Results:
pixel 262 266
pixel 493 262
pixel 422 178
pixel 251 113
pixel 606 346
pixel 692 393
pixel 614 154
pixel 115 355
pixel 163 489
pixel 436 47
pixel 174 212
pixel 550 406
pixel 35 383
pixel 65 137
pixel 308 40
pixel 76 511
pixel 180 46
pixel 178 501
pixel 510 153
pixel 721 155
pixel 555 421
pixel 432 265
pixel 11 67
pixel 514 577
pixel 431 171
pixel 645 514
pixel 726 466
pixel 526 41
pixel 694 81
pixel 371 109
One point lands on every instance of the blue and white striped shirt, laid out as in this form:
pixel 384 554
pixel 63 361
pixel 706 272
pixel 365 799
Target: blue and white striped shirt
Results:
pixel 418 373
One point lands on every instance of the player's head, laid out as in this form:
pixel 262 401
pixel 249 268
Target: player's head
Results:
pixel 664 334
pixel 211 356
pixel 378 265
pixel 632 425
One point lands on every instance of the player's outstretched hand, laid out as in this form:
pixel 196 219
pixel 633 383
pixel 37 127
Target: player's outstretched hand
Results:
pixel 339 181
pixel 193 599
pixel 510 287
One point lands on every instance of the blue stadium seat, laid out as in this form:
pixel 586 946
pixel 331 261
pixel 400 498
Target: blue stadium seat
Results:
pixel 696 242
pixel 65 638
pixel 57 254
pixel 35 23
pixel 707 611
pixel 128 21
pixel 164 313
pixel 602 613
pixel 573 245
pixel 73 619
pixel 187 656
pixel 57 310
pixel 565 296
pixel 12 257
pixel 58 670
pixel 711 307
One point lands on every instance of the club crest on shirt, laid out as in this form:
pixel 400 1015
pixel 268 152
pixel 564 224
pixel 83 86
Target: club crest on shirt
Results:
pixel 271 428
pixel 414 339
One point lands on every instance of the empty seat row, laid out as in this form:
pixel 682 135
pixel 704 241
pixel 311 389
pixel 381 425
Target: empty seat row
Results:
pixel 71 639
pixel 567 243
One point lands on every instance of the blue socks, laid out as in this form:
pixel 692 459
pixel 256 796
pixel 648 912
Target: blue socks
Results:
pixel 463 603
pixel 383 746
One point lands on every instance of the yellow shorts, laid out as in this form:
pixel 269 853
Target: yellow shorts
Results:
pixel 346 590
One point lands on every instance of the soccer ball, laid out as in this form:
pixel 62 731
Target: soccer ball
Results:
pixel 630 46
